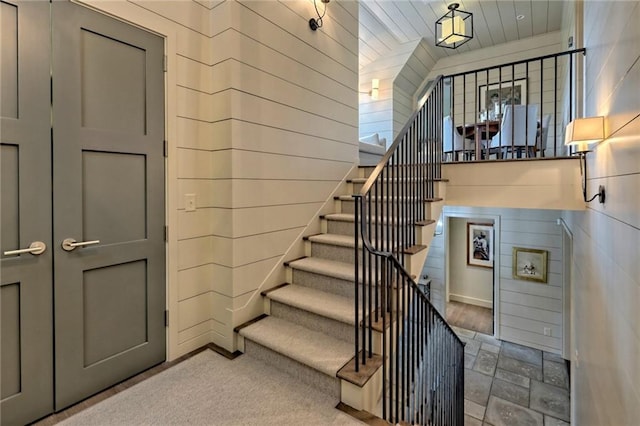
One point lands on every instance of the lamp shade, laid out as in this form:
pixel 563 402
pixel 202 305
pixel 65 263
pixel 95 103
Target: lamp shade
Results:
pixel 583 131
pixel 453 30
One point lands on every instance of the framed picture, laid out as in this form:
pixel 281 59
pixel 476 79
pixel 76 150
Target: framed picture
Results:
pixel 502 93
pixel 530 264
pixel 480 244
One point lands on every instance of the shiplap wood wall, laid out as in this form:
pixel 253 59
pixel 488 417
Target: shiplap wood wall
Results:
pixel 262 125
pixel 524 308
pixel 401 75
pixel 377 115
pixel 606 237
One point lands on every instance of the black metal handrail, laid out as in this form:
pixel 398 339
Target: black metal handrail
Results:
pixel 423 358
pixel 545 84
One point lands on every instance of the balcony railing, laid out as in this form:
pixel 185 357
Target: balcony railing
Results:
pixel 514 110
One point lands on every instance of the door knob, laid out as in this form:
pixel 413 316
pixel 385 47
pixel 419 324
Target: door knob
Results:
pixel 36 248
pixel 70 244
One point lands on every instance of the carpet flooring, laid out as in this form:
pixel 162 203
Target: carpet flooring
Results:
pixel 209 389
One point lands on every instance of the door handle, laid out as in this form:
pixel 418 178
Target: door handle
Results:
pixel 36 248
pixel 70 244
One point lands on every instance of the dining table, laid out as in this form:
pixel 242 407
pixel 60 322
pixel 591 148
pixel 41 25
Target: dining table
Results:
pixel 478 132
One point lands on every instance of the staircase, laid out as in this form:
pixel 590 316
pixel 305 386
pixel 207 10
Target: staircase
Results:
pixel 308 329
pixel 351 319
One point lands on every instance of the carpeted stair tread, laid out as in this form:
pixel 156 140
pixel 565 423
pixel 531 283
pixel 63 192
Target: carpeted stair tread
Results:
pixel 314 349
pixel 333 239
pixel 325 267
pixel 316 301
pixel 340 217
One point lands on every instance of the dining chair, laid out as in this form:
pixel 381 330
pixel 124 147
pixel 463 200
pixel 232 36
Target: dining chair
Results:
pixel 518 129
pixel 453 143
pixel 544 132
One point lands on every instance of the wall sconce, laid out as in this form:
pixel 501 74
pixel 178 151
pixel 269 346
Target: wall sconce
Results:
pixel 451 29
pixel 580 133
pixel 315 23
pixel 375 88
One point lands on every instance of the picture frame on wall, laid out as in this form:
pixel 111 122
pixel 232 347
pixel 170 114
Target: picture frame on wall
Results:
pixel 530 264
pixel 502 93
pixel 480 244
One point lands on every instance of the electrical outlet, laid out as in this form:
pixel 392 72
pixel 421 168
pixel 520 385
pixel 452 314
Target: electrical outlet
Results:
pixel 547 331
pixel 577 359
pixel 190 202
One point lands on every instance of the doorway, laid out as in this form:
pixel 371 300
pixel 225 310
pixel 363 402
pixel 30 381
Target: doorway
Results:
pixel 470 273
pixel 82 205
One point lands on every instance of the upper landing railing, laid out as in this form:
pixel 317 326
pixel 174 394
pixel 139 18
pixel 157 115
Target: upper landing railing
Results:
pixel 513 110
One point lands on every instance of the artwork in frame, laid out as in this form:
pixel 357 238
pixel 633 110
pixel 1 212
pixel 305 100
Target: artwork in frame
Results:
pixel 503 93
pixel 530 264
pixel 480 244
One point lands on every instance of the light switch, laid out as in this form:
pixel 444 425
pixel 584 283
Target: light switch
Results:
pixel 190 202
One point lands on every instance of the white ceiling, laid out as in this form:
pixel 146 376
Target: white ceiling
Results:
pixel 384 24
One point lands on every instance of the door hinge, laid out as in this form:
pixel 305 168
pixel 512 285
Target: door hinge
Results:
pixel 164 63
pixel 166 318
pixel 165 149
pixel 166 233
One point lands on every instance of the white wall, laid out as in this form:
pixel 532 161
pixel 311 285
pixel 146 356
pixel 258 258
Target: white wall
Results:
pixel 401 73
pixel 262 118
pixel 467 283
pixel 377 115
pixel 524 308
pixel 606 261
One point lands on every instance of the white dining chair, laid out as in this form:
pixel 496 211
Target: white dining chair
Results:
pixel 544 132
pixel 453 143
pixel 518 129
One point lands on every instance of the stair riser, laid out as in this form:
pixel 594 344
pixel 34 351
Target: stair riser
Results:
pixel 337 253
pixel 357 187
pixel 337 329
pixel 304 373
pixel 348 206
pixel 340 228
pixel 365 171
pixel 347 228
pixel 438 187
pixel 323 283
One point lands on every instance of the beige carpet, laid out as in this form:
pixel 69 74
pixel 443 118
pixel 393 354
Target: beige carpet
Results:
pixel 209 389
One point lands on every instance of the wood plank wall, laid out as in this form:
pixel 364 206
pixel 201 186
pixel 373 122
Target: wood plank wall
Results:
pixel 377 115
pixel 606 237
pixel 525 308
pixel 401 75
pixel 262 118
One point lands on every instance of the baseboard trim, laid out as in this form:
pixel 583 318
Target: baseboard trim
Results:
pixel 471 300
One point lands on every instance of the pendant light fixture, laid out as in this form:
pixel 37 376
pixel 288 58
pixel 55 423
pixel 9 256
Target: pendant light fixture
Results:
pixel 455 28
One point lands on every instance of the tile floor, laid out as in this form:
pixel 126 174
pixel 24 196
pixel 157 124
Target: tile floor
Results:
pixel 512 385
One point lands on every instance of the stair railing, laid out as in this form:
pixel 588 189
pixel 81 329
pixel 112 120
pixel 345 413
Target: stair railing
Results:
pixel 422 357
